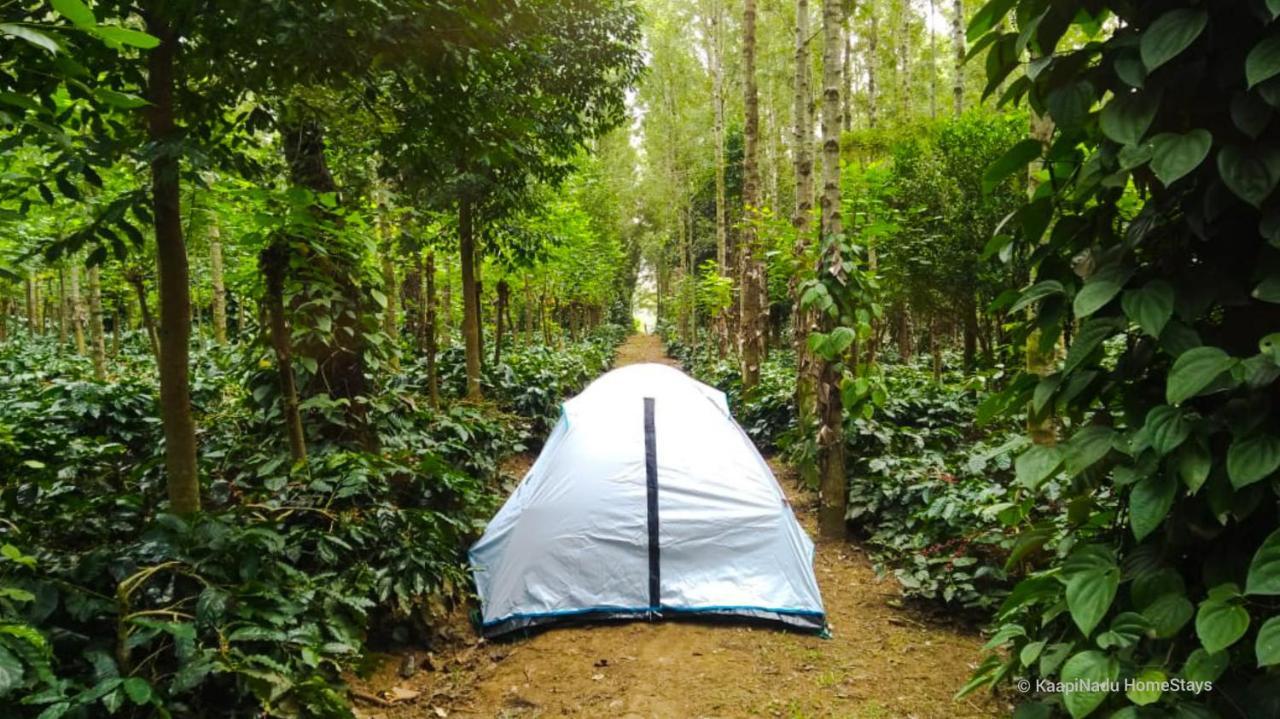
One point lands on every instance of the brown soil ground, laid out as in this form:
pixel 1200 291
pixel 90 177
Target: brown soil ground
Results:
pixel 882 661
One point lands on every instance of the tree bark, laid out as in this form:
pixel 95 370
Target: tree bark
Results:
pixel 802 320
pixel 832 484
pixel 751 329
pixel 172 272
pixel 957 48
pixel 273 261
pixel 219 285
pixel 391 313
pixel 76 308
pixel 470 298
pixel 504 293
pixel 873 64
pixel 31 304
pixel 433 381
pixel 63 302
pixel 97 342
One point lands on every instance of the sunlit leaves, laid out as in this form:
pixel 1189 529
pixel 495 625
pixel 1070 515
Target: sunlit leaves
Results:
pixel 1087 673
pixel 1221 620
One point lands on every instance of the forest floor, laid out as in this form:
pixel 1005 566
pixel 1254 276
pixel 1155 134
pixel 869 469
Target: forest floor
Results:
pixel 883 660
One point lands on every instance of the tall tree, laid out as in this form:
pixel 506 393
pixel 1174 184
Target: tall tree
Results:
pixel 958 52
pixel 802 154
pixel 752 326
pixel 833 487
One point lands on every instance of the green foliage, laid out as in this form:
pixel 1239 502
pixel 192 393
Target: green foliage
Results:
pixel 260 603
pixel 1155 256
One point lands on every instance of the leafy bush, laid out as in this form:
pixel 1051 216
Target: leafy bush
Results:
pixel 256 605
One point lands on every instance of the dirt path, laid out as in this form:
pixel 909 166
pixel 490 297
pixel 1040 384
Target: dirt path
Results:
pixel 881 662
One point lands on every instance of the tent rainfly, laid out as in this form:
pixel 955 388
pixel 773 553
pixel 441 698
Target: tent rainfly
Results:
pixel 648 501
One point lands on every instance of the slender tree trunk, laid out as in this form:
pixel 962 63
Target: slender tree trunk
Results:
pixel 433 381
pixel 504 293
pixel 873 65
pixel 833 486
pixel 1040 359
pixel 751 329
pixel 802 320
pixel 933 63
pixel 97 342
pixel 219 285
pixel 446 309
pixel 76 308
pixel 171 265
pixel 63 302
pixel 391 314
pixel 846 75
pixel 526 313
pixel 970 333
pixel 31 304
pixel 957 48
pixel 935 351
pixel 144 310
pixel 273 262
pixel 470 299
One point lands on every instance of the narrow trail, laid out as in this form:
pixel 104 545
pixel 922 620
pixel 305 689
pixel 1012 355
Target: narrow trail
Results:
pixel 883 661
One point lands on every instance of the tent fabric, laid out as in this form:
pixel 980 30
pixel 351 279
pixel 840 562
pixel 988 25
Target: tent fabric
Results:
pixel 647 501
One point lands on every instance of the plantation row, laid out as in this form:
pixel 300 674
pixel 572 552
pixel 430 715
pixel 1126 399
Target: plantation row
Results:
pixel 262 600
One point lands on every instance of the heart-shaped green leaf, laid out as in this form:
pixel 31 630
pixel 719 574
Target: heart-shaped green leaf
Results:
pixel 1174 155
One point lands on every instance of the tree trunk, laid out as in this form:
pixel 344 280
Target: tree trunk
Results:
pixel 470 298
pixel 63 302
pixel 935 351
pixel 873 64
pixel 933 63
pixel 273 262
pixel 31 304
pixel 957 48
pixel 752 327
pixel 833 486
pixel 433 381
pixel 802 320
pixel 446 310
pixel 391 313
pixel 504 292
pixel 970 333
pixel 339 355
pixel 144 309
pixel 97 342
pixel 219 285
pixel 171 266
pixel 846 76
pixel 75 306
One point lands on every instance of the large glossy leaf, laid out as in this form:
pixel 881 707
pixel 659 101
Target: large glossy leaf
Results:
pixel 1037 292
pixel 1220 622
pixel 1194 463
pixel 75 11
pixel 1167 428
pixel 1251 459
pixel 1092 333
pixel 1037 464
pixel 1169 613
pixel 1174 155
pixel 1088 669
pixel 1264 569
pixel 1193 371
pixel 1087 447
pixel 1090 593
pixel 1149 503
pixel 1267 645
pixel 1170 34
pixel 1016 159
pixel 10 672
pixel 1250 173
pixel 1101 287
pixel 1150 307
pixel 1263 61
pixel 1201 666
pixel 1127 117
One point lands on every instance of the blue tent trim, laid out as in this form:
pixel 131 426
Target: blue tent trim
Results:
pixel 714 609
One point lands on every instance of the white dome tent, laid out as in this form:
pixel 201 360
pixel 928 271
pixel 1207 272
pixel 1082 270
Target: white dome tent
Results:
pixel 648 501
